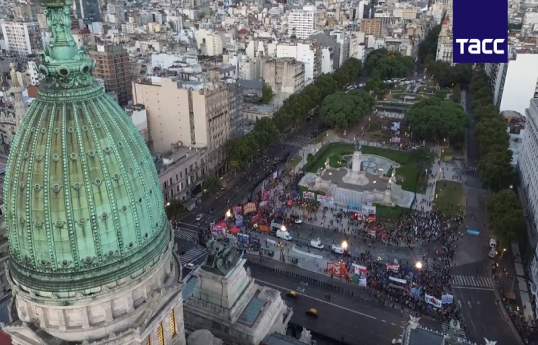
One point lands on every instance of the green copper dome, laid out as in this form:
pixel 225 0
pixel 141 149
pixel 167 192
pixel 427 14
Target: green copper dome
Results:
pixel 82 198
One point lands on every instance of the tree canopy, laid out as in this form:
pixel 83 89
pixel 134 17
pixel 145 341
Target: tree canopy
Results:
pixel 267 93
pixel 174 209
pixel 449 76
pixel 211 184
pixel 436 119
pixel 385 64
pixel 428 47
pixel 505 214
pixel 342 110
pixel 495 168
pixel 294 111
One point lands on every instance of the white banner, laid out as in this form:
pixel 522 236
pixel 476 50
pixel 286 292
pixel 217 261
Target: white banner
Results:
pixel 325 199
pixel 368 210
pixel 308 195
pixel 359 269
pixel 398 280
pixel 433 301
pixel 362 281
pixel 275 174
pixel 447 299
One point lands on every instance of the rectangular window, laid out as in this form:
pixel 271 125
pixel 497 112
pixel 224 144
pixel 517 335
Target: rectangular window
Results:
pixel 173 324
pixel 160 333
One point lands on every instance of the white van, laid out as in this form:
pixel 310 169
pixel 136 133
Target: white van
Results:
pixel 492 243
pixel 492 253
pixel 337 249
pixel 316 244
pixel 283 235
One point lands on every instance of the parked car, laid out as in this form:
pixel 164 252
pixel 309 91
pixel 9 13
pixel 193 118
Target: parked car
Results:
pixel 199 217
pixel 337 249
pixel 298 221
pixel 312 312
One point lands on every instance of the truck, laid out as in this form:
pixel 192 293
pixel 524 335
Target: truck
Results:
pixel 283 235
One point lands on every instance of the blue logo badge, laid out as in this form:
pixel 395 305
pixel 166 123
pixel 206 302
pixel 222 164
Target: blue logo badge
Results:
pixel 480 31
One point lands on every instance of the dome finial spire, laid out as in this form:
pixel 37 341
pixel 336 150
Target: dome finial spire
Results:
pixel 63 64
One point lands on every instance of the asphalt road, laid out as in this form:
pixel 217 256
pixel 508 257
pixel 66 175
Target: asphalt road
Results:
pixel 484 319
pixel 238 193
pixel 357 321
pixel 306 232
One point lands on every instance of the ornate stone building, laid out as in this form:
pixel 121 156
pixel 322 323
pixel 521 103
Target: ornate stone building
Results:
pixel 91 256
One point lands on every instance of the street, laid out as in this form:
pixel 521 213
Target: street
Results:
pixel 484 319
pixel 358 320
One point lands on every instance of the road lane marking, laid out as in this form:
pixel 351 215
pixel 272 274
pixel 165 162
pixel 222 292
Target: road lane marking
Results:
pixel 470 288
pixel 469 304
pixel 392 324
pixel 319 300
pixel 383 321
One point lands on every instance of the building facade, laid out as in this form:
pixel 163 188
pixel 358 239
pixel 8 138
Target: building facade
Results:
pixel 235 102
pixel 113 67
pixel 284 75
pixel 88 11
pixel 306 52
pixel 521 82
pixel 190 114
pixel 302 22
pixel 372 27
pixel 23 39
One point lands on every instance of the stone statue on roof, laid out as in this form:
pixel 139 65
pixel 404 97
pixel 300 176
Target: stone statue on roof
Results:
pixel 223 255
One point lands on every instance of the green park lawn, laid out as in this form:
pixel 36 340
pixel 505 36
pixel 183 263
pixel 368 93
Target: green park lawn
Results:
pixel 387 213
pixel 450 197
pixel 447 154
pixel 291 164
pixel 406 174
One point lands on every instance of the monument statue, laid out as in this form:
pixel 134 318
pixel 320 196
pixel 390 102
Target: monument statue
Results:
pixel 355 175
pixel 490 342
pixel 306 337
pixel 223 256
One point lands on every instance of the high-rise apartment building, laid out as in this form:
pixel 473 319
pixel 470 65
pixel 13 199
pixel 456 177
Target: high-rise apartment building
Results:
pixel 192 114
pixel 88 10
pixel 235 102
pixel 372 27
pixel 23 39
pixel 302 22
pixel 114 68
pixel 521 80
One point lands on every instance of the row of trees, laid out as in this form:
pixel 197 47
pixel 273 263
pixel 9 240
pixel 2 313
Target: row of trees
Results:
pixel 384 64
pixel 342 110
pixel 437 119
pixel 442 72
pixel 294 111
pixel 505 213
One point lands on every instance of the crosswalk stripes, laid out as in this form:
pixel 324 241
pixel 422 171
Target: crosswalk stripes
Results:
pixel 446 330
pixel 186 235
pixel 192 254
pixel 472 281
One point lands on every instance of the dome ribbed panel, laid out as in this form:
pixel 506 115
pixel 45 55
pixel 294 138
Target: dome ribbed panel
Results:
pixel 82 195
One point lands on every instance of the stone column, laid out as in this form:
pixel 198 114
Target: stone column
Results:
pixel 129 302
pixel 61 320
pixel 40 314
pixel 107 306
pixel 154 337
pixel 180 325
pixel 167 330
pixel 84 317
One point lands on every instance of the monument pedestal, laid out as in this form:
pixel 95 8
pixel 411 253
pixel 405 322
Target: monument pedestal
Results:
pixel 234 308
pixel 355 175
